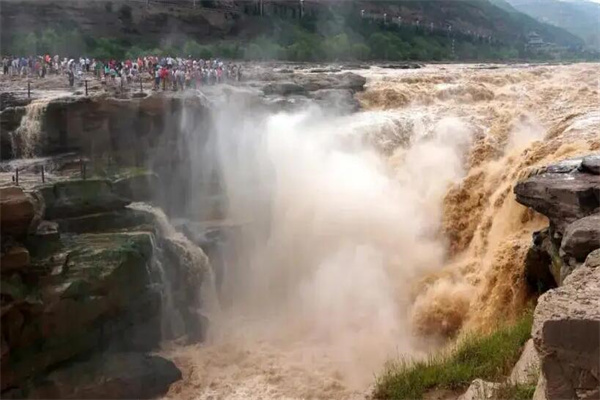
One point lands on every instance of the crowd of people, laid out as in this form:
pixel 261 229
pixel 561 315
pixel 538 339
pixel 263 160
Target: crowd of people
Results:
pixel 167 72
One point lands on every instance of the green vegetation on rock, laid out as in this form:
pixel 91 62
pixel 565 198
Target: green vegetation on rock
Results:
pixel 489 357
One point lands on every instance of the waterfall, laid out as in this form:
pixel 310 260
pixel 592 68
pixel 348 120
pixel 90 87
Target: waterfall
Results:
pixel 185 275
pixel 26 139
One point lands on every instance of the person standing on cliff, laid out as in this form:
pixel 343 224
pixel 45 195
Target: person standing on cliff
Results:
pixel 156 78
pixel 71 76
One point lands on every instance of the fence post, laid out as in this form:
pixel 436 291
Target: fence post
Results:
pixel 17 176
pixel 43 175
pixel 28 89
pixel 141 87
pixel 86 87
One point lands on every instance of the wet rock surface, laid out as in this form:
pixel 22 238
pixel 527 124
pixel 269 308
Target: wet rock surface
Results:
pixel 111 376
pixel 81 275
pixel 582 237
pixel 137 187
pixel 80 197
pixel 591 164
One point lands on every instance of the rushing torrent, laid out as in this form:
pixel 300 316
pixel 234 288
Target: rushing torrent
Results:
pixel 381 234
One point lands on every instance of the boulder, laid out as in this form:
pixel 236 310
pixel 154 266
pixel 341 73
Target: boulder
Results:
pixel 591 164
pixel 480 390
pixel 593 259
pixel 138 187
pixel 80 197
pixel 16 211
pixel 14 259
pixel 562 193
pixel 45 239
pixel 527 369
pixel 566 334
pixel 581 237
pixel 110 376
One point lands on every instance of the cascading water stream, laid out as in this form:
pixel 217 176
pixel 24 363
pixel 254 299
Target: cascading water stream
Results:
pixel 195 265
pixel 25 140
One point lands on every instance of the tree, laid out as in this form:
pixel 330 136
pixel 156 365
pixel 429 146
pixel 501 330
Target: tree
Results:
pixel 337 47
pixel 380 45
pixel 360 51
pixel 27 45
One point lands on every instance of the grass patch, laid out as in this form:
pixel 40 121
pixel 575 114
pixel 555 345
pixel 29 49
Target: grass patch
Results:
pixel 489 357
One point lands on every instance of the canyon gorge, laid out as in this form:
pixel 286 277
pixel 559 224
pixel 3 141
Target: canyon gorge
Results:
pixel 286 237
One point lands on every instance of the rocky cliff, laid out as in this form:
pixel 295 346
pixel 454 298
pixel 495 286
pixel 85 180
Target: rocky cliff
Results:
pixel 82 276
pixel 566 330
pixel 90 280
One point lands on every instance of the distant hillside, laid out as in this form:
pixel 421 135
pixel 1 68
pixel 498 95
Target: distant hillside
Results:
pixel 312 29
pixel 483 17
pixel 580 17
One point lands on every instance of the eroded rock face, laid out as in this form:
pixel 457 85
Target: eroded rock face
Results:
pixel 543 264
pixel 81 304
pixel 80 197
pixel 569 195
pixel 582 237
pixel 94 280
pixel 562 197
pixel 566 333
pixel 566 329
pixel 16 211
pixel 591 164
